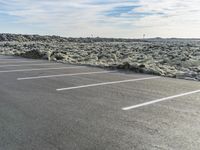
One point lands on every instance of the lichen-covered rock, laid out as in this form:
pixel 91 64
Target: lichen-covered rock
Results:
pixel 178 58
pixel 35 54
pixel 48 55
pixel 60 56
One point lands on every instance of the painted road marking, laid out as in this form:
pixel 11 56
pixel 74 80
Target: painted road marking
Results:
pixel 160 100
pixel 43 64
pixel 105 83
pixel 26 70
pixel 15 62
pixel 64 75
pixel 9 59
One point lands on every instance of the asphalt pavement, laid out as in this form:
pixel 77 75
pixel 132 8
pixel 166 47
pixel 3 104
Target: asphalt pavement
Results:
pixel 53 106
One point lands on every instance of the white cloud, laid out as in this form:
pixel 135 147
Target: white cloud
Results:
pixel 168 18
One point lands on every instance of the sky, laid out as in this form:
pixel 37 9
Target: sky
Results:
pixel 102 18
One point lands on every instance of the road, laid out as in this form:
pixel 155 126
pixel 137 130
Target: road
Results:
pixel 53 106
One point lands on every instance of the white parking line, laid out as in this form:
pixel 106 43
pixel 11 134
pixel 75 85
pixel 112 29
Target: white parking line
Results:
pixel 9 59
pixel 64 75
pixel 15 62
pixel 43 64
pixel 25 70
pixel 160 100
pixel 105 83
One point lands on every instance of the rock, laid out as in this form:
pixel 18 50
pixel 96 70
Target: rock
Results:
pixel 167 57
pixel 198 77
pixel 60 56
pixel 35 54
pixel 187 75
pixel 124 65
pixel 114 57
pixel 48 55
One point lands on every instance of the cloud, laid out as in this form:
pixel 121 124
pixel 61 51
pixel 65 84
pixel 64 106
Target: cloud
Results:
pixel 112 18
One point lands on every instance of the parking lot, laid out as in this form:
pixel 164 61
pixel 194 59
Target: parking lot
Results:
pixel 53 106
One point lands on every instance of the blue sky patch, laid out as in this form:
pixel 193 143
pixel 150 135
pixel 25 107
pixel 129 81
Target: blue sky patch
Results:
pixel 117 11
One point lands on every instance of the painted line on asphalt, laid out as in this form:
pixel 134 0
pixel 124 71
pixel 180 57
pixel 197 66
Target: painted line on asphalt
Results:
pixel 65 75
pixel 105 83
pixel 26 70
pixel 9 59
pixel 160 100
pixel 43 64
pixel 15 62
